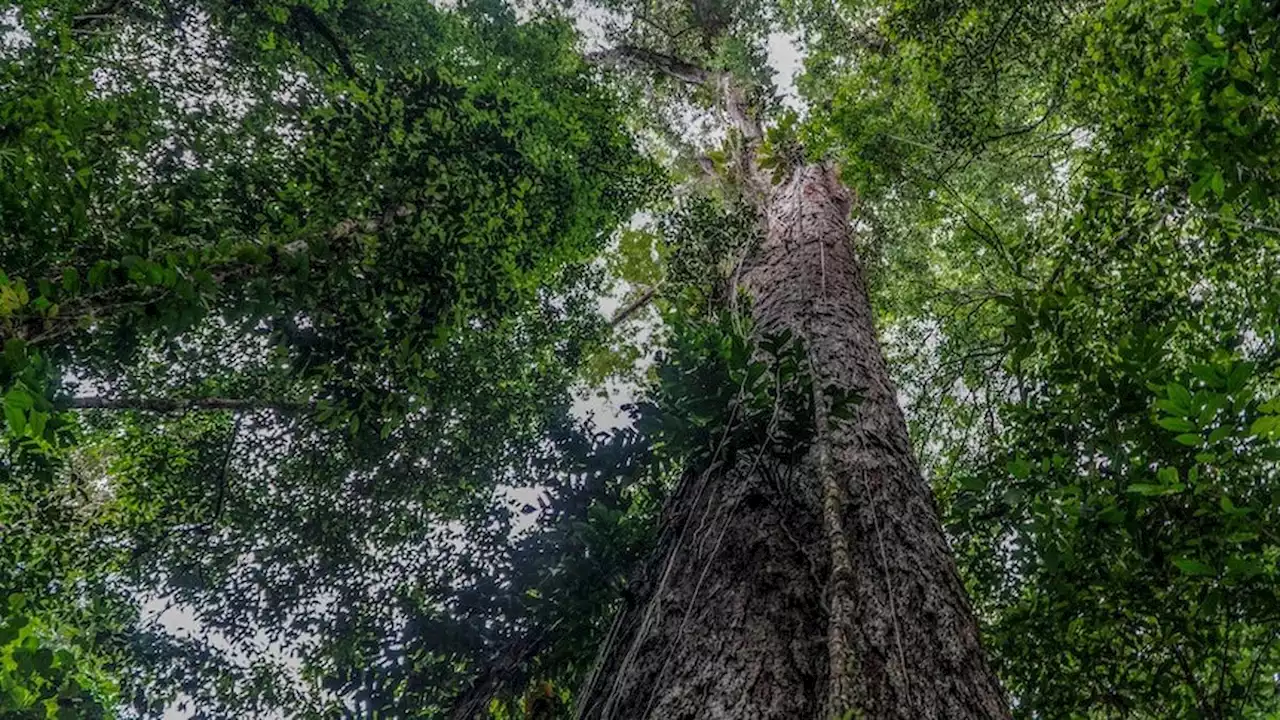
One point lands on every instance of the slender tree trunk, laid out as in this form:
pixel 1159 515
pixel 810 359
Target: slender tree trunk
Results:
pixel 824 589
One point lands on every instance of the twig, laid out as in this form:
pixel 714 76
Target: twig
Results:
pixel 226 466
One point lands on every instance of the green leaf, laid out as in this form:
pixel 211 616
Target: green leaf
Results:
pixel 1208 374
pixel 1180 396
pixel 1211 405
pixel 1112 515
pixel 21 696
pixel 1151 490
pixel 1020 468
pixel 15 353
pixel 1194 567
pixel 1244 567
pixel 43 660
pixel 1176 424
pixel 1219 434
pixel 1239 376
pixel 98 274
pixel 1201 185
pixel 19 398
pixel 16 419
pixel 1217 183
pixel 36 422
pixel 1188 439
pixel 1265 426
pixel 71 280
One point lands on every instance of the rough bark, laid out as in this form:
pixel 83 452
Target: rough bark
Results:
pixel 822 589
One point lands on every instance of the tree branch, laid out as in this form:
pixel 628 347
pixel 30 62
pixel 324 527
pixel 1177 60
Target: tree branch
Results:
pixel 632 307
pixel 662 28
pixel 326 32
pixel 739 109
pixel 624 56
pixel 731 92
pixel 226 466
pixel 82 23
pixel 164 405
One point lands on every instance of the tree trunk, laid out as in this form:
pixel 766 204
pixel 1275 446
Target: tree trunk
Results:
pixel 821 589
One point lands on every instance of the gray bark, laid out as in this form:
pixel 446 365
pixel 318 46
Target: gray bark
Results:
pixel 823 589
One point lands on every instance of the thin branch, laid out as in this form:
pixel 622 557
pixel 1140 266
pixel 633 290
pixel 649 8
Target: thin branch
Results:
pixel 165 405
pixel 326 32
pixel 101 304
pixel 1257 664
pixel 663 28
pixel 1201 698
pixel 81 23
pixel 1220 699
pixel 226 467
pixel 633 307
pixel 1191 211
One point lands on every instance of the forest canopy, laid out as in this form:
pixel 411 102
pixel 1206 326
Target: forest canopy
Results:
pixel 388 359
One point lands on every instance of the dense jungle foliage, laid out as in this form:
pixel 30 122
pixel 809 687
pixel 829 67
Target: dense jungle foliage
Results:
pixel 300 302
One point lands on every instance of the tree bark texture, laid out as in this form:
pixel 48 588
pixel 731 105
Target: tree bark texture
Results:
pixel 823 589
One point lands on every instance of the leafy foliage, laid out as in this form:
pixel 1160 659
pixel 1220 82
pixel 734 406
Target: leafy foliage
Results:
pixel 1087 331
pixel 326 272
pixel 42 675
pixel 332 222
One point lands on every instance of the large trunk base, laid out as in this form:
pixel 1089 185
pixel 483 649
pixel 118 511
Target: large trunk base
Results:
pixel 821 589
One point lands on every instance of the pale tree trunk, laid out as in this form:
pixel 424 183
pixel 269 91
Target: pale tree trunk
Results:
pixel 824 589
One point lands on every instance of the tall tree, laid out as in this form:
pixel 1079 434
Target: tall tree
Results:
pixel 1083 197
pixel 819 585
